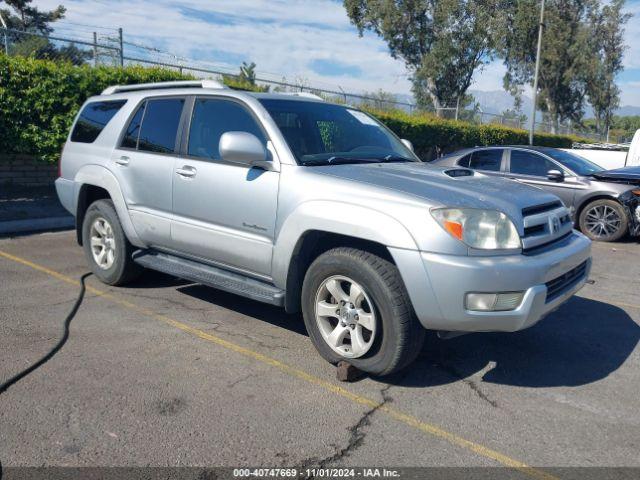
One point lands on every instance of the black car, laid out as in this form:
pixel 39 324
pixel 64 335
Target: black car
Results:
pixel 605 204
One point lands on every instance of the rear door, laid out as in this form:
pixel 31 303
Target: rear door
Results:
pixel 143 165
pixel 488 161
pixel 531 168
pixel 223 212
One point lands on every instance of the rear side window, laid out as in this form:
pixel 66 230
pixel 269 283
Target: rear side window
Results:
pixel 160 125
pixel 488 160
pixel 93 118
pixel 130 139
pixel 464 161
pixel 212 118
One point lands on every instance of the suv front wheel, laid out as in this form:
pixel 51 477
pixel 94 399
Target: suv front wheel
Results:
pixel 105 245
pixel 356 308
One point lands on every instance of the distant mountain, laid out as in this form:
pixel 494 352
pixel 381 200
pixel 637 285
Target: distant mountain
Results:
pixel 628 110
pixel 497 101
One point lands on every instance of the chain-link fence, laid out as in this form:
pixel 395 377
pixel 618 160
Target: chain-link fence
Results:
pixel 107 46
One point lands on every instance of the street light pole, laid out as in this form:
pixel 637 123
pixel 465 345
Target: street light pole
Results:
pixel 535 78
pixel 6 42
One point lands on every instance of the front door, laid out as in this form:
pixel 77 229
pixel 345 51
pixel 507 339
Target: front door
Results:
pixel 532 168
pixel 224 213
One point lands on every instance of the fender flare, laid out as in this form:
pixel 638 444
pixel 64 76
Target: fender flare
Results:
pixel 335 217
pixel 100 176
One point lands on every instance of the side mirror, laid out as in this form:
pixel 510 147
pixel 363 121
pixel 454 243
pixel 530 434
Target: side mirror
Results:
pixel 407 144
pixel 555 176
pixel 244 148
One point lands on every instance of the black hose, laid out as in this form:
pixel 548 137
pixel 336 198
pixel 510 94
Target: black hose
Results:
pixel 65 335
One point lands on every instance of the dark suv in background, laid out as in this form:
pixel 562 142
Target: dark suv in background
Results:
pixel 605 204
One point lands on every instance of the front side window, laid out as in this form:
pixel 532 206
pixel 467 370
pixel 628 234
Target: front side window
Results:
pixel 214 117
pixel 528 163
pixel 160 125
pixel 577 164
pixel 93 118
pixel 321 133
pixel 488 160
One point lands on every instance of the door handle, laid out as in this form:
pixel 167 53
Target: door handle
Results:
pixel 187 171
pixel 124 161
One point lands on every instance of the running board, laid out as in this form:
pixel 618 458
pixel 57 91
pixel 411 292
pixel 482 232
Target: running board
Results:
pixel 210 276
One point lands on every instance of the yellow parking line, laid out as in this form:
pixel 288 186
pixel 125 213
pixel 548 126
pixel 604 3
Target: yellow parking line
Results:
pixel 394 413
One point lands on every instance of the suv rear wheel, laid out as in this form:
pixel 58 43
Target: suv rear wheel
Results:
pixel 604 220
pixel 356 308
pixel 105 245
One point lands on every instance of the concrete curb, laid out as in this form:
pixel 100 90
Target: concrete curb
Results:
pixel 36 225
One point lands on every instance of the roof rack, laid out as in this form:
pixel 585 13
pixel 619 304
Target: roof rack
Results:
pixel 162 85
pixel 303 94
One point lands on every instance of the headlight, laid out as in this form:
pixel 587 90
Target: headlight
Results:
pixel 482 229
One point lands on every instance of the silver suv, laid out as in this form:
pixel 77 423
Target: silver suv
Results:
pixel 292 201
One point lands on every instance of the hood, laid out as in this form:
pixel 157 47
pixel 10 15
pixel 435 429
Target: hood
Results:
pixel 439 189
pixel 630 175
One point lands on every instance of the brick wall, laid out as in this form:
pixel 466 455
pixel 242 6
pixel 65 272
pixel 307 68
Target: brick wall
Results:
pixel 26 170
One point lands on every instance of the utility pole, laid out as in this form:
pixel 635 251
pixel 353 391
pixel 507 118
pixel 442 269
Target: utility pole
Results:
pixel 121 47
pixel 95 49
pixel 6 42
pixel 535 78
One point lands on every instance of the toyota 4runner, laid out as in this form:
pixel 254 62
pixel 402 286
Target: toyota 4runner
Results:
pixel 315 207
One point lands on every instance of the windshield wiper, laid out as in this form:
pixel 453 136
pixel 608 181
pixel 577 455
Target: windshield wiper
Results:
pixel 396 158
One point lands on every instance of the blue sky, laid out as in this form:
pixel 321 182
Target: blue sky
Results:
pixel 304 40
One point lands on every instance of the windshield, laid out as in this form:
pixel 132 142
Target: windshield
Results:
pixel 324 134
pixel 579 165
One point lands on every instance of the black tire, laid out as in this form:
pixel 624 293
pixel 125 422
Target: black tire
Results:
pixel 123 268
pixel 596 233
pixel 399 335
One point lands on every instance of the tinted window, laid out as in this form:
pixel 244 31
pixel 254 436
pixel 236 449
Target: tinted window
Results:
pixel 160 125
pixel 527 163
pixel 464 161
pixel 489 160
pixel 213 117
pixel 320 133
pixel 93 118
pixel 130 139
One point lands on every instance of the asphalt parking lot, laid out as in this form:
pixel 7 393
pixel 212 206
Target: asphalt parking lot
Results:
pixel 167 373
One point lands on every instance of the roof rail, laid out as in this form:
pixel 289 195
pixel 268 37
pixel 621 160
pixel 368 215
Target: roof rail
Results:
pixel 162 85
pixel 303 94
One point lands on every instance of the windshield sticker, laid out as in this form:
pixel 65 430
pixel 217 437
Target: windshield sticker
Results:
pixel 362 118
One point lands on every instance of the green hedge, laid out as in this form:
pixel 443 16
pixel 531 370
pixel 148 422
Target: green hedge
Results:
pixel 432 136
pixel 39 99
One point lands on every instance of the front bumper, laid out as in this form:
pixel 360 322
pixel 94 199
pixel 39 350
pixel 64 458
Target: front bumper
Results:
pixel 437 284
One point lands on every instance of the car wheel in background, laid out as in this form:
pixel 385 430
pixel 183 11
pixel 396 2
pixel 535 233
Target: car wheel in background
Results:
pixel 604 220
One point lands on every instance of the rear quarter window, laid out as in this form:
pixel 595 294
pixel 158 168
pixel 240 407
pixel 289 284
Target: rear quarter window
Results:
pixel 93 118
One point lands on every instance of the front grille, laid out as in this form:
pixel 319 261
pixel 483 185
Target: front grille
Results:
pixel 544 225
pixel 544 207
pixel 561 284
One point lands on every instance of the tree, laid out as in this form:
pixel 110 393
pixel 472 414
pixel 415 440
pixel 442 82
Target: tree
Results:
pixel 441 42
pixel 29 19
pixel 568 63
pixel 607 49
pixel 379 100
pixel 248 73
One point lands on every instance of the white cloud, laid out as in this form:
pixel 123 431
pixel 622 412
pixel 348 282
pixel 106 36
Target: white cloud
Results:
pixel 284 38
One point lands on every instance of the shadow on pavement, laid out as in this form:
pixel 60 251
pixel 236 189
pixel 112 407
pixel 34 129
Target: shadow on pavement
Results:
pixel 582 342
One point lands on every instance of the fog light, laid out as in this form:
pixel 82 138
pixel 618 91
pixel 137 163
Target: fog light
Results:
pixel 493 302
